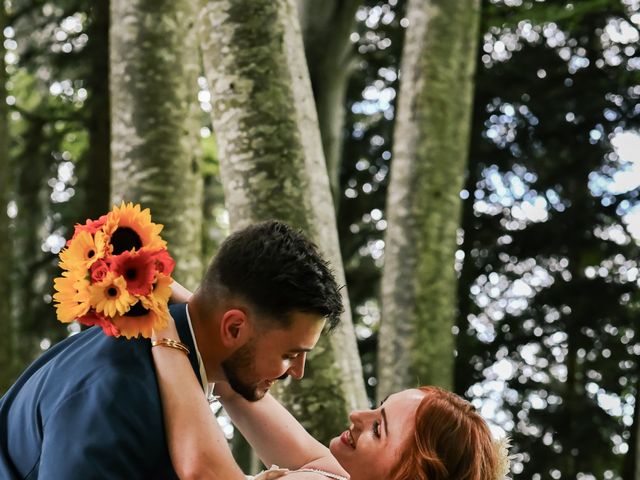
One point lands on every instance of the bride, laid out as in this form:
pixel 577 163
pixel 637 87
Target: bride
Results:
pixel 424 433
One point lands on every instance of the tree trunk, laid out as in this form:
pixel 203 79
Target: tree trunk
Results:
pixel 326 29
pixel 8 336
pixel 98 173
pixel 31 169
pixel 272 166
pixel 155 122
pixel 431 141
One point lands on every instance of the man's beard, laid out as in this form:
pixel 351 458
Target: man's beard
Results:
pixel 239 363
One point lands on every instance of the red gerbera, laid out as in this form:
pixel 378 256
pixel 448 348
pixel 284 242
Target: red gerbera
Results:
pixel 138 270
pixel 94 318
pixel 91 226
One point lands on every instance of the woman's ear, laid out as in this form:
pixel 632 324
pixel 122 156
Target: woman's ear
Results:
pixel 235 329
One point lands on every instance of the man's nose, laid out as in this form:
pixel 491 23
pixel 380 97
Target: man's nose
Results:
pixel 296 370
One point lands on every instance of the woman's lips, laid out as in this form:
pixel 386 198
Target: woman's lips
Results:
pixel 347 439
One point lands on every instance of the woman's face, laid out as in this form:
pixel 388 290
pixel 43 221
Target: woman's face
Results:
pixel 371 447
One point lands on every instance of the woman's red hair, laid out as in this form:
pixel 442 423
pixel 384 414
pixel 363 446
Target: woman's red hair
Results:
pixel 451 442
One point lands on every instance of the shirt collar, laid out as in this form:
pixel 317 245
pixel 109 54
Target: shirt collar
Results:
pixel 206 386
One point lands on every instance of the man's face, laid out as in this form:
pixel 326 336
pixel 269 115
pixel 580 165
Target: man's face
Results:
pixel 272 354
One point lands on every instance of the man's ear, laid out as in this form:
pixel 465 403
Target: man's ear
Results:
pixel 235 328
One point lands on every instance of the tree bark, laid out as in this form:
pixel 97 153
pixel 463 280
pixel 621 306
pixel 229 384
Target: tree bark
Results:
pixel 98 173
pixel 326 29
pixel 155 148
pixel 8 336
pixel 272 166
pixel 431 142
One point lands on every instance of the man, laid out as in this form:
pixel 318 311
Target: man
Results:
pixel 90 408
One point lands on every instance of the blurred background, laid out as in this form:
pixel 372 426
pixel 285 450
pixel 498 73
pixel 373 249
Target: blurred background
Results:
pixel 482 180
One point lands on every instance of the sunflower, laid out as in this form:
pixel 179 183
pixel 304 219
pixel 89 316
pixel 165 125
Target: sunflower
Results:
pixel 110 296
pixel 138 270
pixel 71 297
pixel 82 252
pixel 134 229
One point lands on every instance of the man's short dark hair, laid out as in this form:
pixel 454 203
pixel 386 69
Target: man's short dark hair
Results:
pixel 278 270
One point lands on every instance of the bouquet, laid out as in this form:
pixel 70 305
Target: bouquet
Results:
pixel 116 274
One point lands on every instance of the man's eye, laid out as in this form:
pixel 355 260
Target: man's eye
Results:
pixel 376 428
pixel 292 356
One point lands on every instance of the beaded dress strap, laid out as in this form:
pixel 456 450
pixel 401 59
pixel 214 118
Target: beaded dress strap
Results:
pixel 321 472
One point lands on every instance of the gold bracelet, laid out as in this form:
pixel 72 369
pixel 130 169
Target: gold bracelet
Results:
pixel 169 342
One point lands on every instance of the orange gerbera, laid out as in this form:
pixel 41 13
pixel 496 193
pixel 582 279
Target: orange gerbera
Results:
pixel 82 252
pixel 110 296
pixel 135 230
pixel 71 297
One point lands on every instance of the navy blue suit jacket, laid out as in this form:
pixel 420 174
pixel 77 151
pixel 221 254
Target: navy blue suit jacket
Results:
pixel 88 408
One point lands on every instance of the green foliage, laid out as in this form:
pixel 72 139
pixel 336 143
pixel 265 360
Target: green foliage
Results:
pixel 365 167
pixel 553 297
pixel 49 99
pixel 582 325
pixel 545 115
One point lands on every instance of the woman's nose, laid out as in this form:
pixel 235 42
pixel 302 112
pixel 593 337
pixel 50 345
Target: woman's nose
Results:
pixel 358 416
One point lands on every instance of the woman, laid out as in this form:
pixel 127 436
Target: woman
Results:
pixel 419 434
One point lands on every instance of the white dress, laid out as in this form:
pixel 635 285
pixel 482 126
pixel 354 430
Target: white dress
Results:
pixel 275 471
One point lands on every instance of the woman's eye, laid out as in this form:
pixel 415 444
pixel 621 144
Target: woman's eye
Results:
pixel 376 428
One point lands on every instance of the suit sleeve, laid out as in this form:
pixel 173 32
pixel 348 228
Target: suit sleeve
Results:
pixel 109 429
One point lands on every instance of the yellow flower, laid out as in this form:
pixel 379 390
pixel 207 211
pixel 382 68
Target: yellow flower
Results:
pixel 134 229
pixel 71 297
pixel 145 318
pixel 110 296
pixel 152 311
pixel 161 292
pixel 82 252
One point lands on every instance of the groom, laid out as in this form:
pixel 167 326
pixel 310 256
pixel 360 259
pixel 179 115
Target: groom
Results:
pixel 89 407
